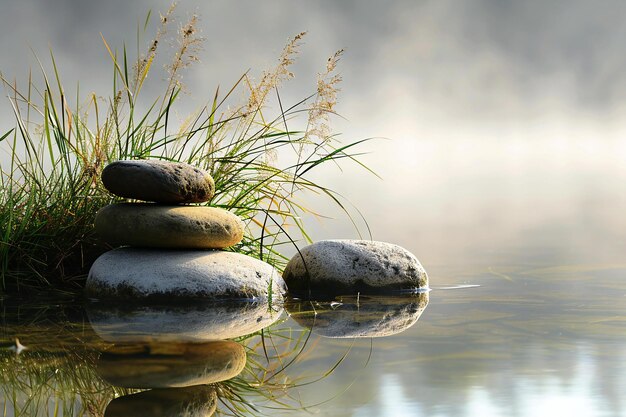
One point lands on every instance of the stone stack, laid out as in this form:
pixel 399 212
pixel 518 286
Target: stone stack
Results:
pixel 172 248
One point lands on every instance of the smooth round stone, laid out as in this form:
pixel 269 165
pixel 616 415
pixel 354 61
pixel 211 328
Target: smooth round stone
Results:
pixel 339 267
pixel 171 276
pixel 153 225
pixel 365 316
pixel 199 401
pixel 158 181
pixel 171 365
pixel 208 321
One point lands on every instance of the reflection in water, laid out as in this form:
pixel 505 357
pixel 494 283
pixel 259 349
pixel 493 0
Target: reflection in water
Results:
pixel 179 373
pixel 533 343
pixel 169 365
pixel 198 401
pixel 56 370
pixel 363 316
pixel 201 322
pixel 68 369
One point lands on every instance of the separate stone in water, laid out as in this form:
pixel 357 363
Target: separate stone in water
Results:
pixel 362 316
pixel 167 275
pixel 146 323
pixel 171 365
pixel 153 225
pixel 339 267
pixel 198 401
pixel 158 181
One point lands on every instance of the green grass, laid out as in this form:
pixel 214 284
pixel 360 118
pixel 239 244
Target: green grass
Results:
pixel 53 158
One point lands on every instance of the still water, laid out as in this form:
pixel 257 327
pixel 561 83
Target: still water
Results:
pixel 491 341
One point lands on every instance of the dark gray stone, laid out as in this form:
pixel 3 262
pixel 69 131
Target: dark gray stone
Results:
pixel 342 267
pixel 158 181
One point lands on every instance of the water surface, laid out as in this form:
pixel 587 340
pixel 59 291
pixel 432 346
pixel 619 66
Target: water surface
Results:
pixel 492 341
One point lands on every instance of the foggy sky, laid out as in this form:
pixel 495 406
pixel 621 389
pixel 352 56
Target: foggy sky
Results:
pixel 504 118
pixel 475 57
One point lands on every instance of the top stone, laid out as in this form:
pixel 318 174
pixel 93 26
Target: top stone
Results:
pixel 158 181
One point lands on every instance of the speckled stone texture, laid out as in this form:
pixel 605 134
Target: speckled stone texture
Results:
pixel 342 267
pixel 169 275
pixel 365 316
pixel 198 401
pixel 193 322
pixel 171 365
pixel 159 181
pixel 154 225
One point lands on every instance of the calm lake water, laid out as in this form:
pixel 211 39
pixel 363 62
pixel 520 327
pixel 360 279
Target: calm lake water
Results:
pixel 493 341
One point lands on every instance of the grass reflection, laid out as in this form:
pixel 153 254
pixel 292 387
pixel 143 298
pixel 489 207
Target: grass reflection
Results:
pixel 69 369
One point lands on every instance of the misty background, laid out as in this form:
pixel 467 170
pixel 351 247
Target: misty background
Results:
pixel 502 153
pixel 503 121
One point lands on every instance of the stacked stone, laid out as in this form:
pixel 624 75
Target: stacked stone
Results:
pixel 172 248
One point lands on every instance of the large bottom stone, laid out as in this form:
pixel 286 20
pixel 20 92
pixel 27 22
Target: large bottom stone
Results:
pixel 362 316
pixel 167 275
pixel 340 267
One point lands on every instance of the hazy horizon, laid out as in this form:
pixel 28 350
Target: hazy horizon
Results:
pixel 505 120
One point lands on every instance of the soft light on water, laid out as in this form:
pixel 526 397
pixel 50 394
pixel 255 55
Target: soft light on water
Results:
pixel 508 342
pixel 536 342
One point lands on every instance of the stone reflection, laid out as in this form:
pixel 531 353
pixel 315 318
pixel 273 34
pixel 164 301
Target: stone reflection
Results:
pixel 173 402
pixel 139 323
pixel 363 316
pixel 171 365
pixel 175 351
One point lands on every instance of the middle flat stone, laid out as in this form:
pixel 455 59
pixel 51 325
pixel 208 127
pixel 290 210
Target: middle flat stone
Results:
pixel 157 226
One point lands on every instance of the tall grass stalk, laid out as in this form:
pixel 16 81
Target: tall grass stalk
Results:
pixel 57 150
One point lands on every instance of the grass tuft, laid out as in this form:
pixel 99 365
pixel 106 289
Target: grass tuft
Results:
pixel 260 152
